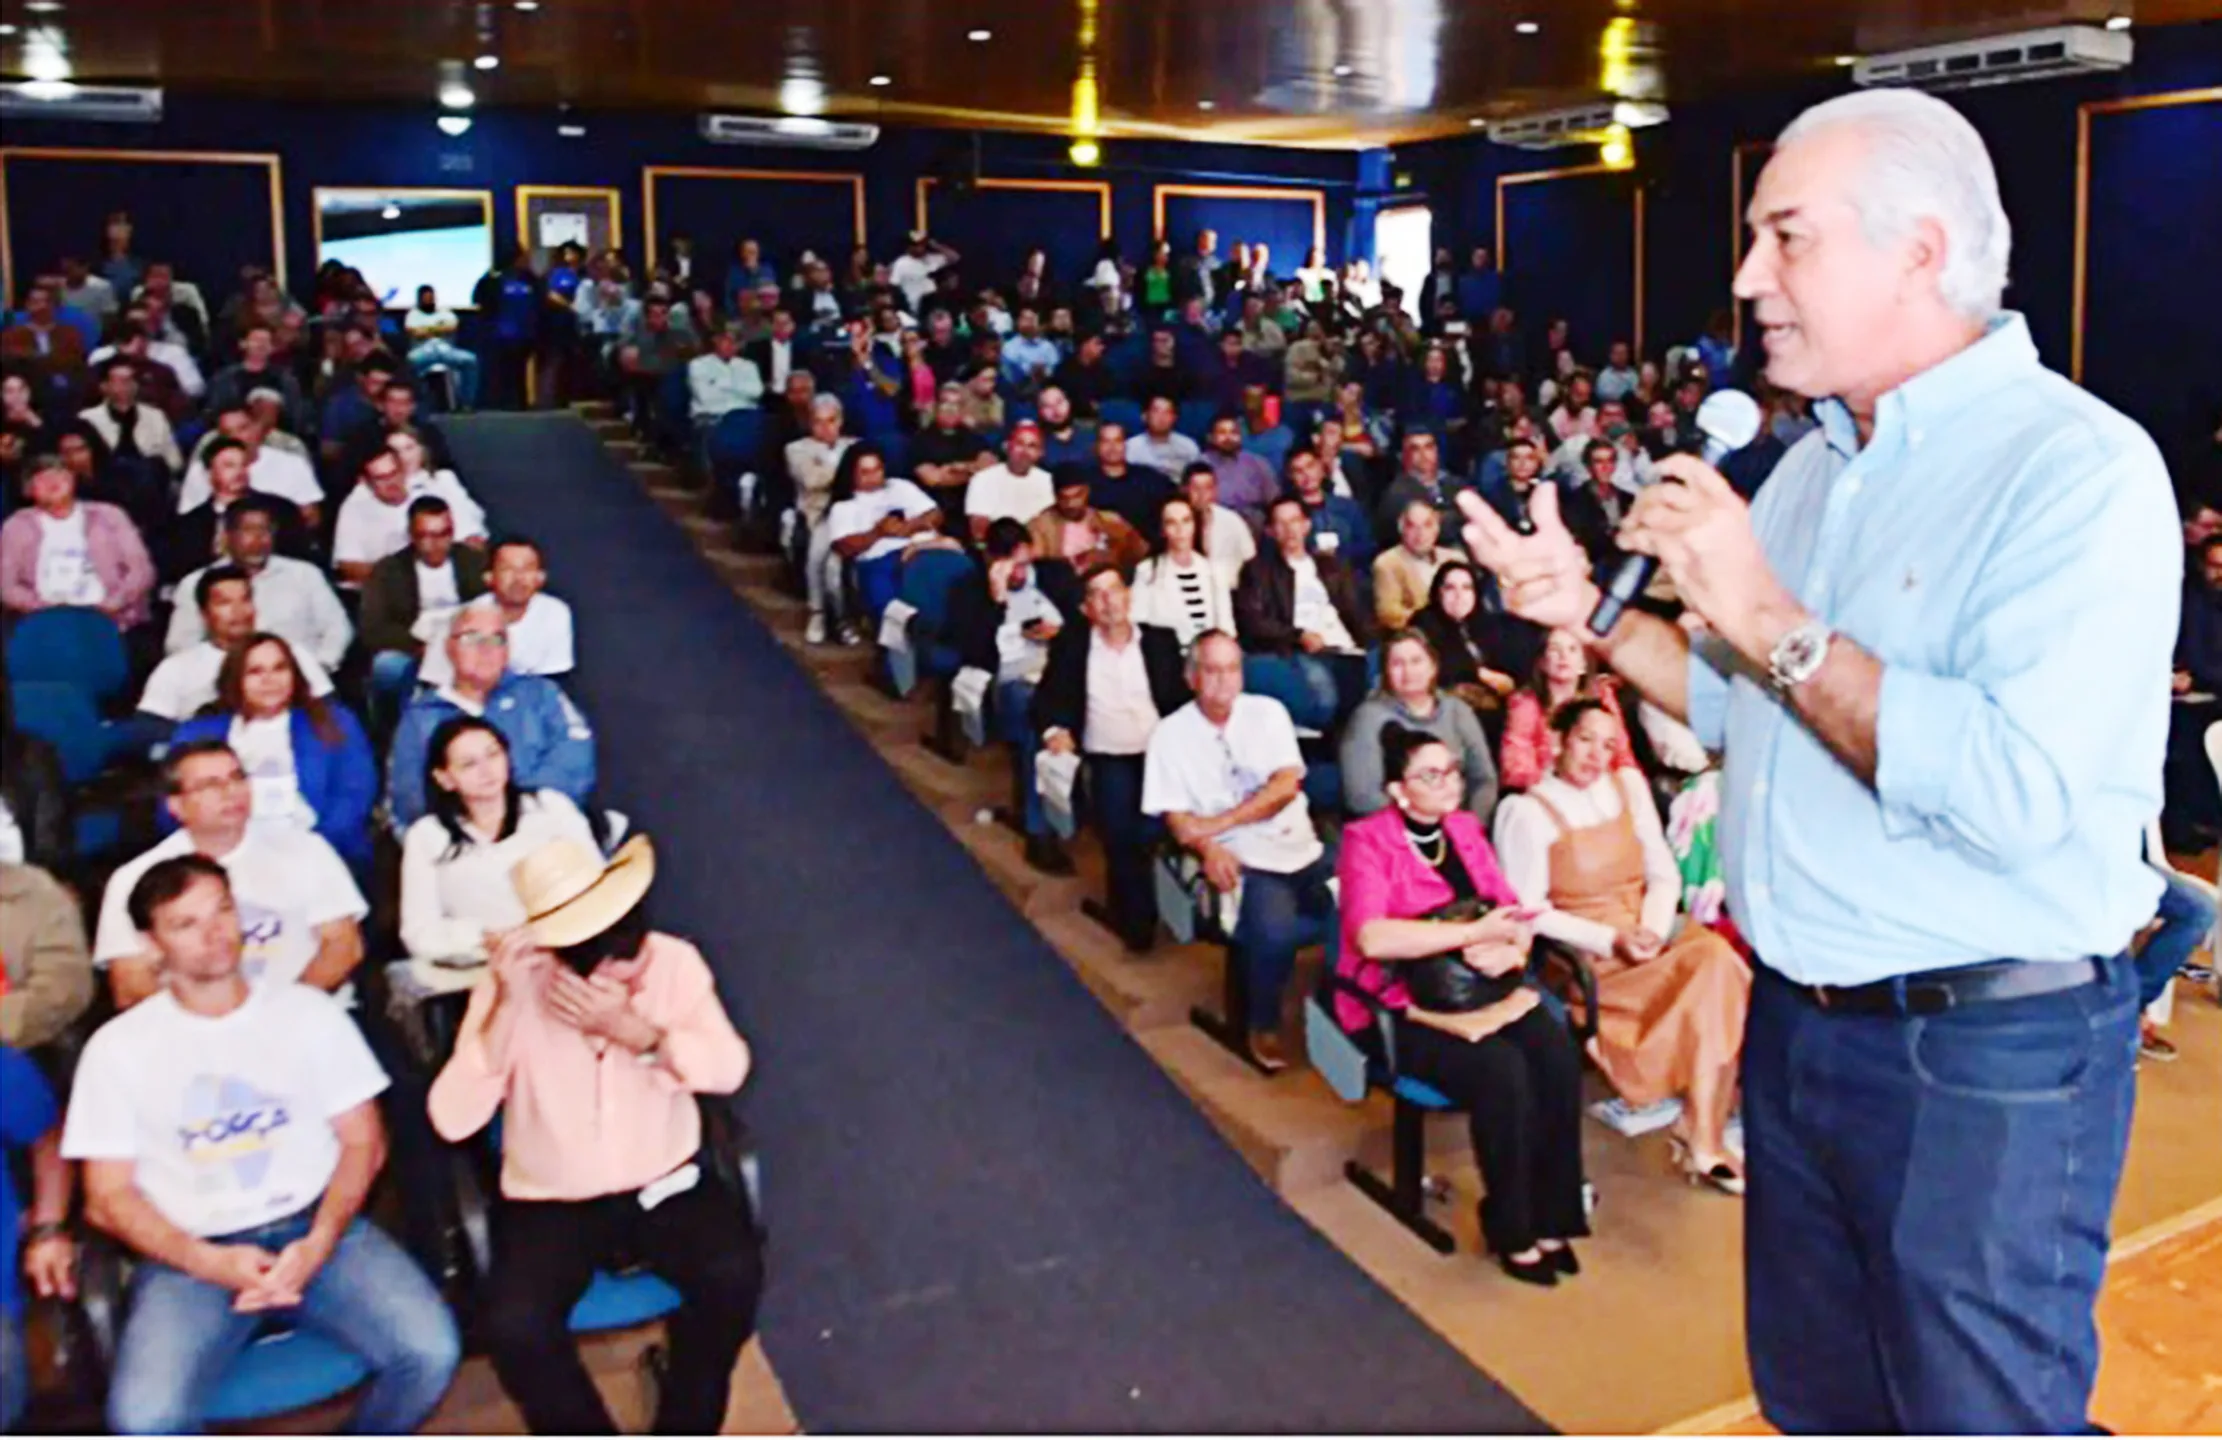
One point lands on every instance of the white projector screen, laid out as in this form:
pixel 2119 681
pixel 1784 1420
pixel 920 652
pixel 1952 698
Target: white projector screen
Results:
pixel 402 239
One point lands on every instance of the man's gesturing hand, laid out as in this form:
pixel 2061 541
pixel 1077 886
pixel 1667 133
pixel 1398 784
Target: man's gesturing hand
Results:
pixel 1544 577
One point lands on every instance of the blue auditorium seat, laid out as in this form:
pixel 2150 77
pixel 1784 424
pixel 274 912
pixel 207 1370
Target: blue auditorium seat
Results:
pixel 69 645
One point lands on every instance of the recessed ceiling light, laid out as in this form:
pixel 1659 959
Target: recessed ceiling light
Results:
pixel 1207 104
pixel 1477 121
pixel 391 212
pixel 42 7
pixel 6 30
pixel 883 80
pixel 2113 22
pixel 1085 152
pixel 1846 62
pixel 1344 72
pixel 457 97
pixel 571 132
pixel 454 124
pixel 487 62
pixel 979 37
pixel 528 6
pixel 1527 27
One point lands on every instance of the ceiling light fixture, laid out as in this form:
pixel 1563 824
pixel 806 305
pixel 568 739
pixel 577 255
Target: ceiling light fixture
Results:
pixel 454 124
pixel 458 97
pixel 1527 27
pixel 1344 72
pixel 487 62
pixel 391 212
pixel 528 6
pixel 6 31
pixel 571 132
pixel 1207 104
pixel 1085 152
pixel 45 63
pixel 1846 62
pixel 882 80
pixel 42 7
pixel 2117 22
pixel 1477 122
pixel 979 37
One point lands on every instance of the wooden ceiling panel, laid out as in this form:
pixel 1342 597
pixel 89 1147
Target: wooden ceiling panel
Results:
pixel 1323 72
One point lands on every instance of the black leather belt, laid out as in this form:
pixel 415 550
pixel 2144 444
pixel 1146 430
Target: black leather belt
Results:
pixel 1932 992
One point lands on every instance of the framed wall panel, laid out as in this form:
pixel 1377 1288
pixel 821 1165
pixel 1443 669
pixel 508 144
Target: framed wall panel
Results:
pixel 559 212
pixel 2143 331
pixel 995 225
pixel 788 210
pixel 172 195
pixel 1570 242
pixel 1289 220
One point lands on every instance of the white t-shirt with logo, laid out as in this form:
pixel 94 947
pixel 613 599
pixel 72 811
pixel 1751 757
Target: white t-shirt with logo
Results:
pixel 858 514
pixel 368 529
pixel 1197 768
pixel 185 684
pixel 66 562
pixel 539 644
pixel 284 888
pixel 226 1119
pixel 265 750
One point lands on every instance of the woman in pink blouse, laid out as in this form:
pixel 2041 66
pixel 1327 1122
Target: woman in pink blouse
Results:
pixel 1500 1056
pixel 592 1036
pixel 1563 672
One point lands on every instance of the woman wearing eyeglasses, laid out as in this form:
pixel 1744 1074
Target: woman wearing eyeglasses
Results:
pixel 1431 933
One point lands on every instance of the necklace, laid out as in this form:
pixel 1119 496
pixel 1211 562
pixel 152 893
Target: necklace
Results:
pixel 1440 846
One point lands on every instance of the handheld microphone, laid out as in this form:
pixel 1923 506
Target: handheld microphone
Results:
pixel 1729 420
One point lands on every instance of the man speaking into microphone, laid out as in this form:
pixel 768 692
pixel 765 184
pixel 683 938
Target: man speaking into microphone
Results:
pixel 1937 669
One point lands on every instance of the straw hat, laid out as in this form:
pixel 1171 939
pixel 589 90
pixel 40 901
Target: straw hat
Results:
pixel 571 894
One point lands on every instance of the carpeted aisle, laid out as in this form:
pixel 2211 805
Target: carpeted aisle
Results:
pixel 989 1210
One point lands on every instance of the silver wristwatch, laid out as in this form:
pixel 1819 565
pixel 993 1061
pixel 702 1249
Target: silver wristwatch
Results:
pixel 1799 655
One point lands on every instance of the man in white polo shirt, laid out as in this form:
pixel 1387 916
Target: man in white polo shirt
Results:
pixel 1018 489
pixel 185 683
pixel 722 380
pixel 374 519
pixel 230 1134
pixel 293 600
pixel 298 907
pixel 539 624
pixel 1226 774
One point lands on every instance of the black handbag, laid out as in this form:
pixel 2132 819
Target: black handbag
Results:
pixel 1445 983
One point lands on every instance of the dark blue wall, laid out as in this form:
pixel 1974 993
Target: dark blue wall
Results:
pixel 364 145
pixel 2154 324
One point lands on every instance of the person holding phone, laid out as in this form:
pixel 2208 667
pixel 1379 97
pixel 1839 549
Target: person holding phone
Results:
pixel 592 1039
pixel 1431 930
pixel 1003 620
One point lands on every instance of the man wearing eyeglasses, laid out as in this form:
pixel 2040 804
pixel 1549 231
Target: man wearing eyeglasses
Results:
pixel 551 746
pixel 299 911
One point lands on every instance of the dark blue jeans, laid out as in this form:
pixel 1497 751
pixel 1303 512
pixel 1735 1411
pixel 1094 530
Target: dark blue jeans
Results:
pixel 2186 916
pixel 1926 1227
pixel 1115 790
pixel 1280 915
pixel 1014 726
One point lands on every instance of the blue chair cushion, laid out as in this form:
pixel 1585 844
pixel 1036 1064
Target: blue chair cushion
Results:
pixel 619 1302
pixel 1427 1097
pixel 284 1371
pixel 69 645
pixel 97 833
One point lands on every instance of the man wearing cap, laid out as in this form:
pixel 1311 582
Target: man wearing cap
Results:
pixel 592 1038
pixel 1018 489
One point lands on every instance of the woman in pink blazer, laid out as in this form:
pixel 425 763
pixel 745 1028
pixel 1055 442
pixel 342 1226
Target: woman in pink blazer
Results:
pixel 1488 1046
pixel 66 551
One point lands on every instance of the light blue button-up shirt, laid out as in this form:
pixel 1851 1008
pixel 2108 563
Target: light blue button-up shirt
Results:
pixel 2006 544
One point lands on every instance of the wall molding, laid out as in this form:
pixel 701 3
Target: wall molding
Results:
pixel 1317 198
pixel 2209 95
pixel 650 174
pixel 1638 218
pixel 1101 189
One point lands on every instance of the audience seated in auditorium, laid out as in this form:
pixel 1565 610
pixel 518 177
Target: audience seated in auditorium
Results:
pixel 296 902
pixel 1178 588
pixel 1002 620
pixel 1065 439
pixel 540 626
pixel 1102 695
pixel 1134 493
pixel 374 518
pixel 1085 377
pixel 1018 489
pixel 398 413
pixel 1221 534
pixel 1304 630
pixel 432 329
pixel 165 1092
pixel 257 368
pixel 1247 483
pixel 44 346
pixel 876 524
pixel 1564 671
pixel 71 552
pixel 456 899
pixel 983 402
pixel 1431 930
pixel 307 761
pixel 946 453
pixel 1421 478
pixel 1339 523
pixel 551 745
pixel 1226 776
pixel 585 975
pixel 1160 446
pixel 720 381
pixel 201 535
pixel 813 461
pixel 271 469
pixel 1412 696
pixel 1584 848
pixel 1075 531
pixel 351 402
pixel 185 682
pixel 293 599
pixel 1480 648
pixel 1405 573
pixel 49 967
pixel 131 432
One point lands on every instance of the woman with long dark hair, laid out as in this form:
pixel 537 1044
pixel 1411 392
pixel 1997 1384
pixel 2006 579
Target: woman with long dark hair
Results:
pixel 307 758
pixel 455 861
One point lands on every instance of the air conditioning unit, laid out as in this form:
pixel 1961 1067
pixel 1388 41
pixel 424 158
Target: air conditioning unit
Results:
pixel 60 100
pixel 2001 59
pixel 791 131
pixel 1576 125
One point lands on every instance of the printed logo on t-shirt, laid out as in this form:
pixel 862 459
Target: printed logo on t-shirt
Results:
pixel 229 1123
pixel 263 930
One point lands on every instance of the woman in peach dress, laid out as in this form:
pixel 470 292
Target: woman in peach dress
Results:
pixel 1585 847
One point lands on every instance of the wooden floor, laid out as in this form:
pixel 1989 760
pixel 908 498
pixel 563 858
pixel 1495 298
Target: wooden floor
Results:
pixel 1661 1292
